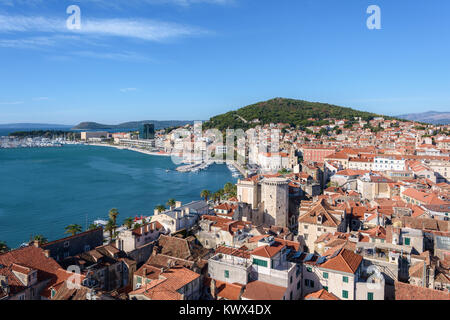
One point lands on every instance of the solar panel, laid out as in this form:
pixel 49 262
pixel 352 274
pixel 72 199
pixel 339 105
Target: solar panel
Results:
pixel 321 260
pixel 309 256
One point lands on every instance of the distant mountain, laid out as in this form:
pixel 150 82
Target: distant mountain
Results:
pixel 33 126
pixel 281 110
pixel 431 117
pixel 131 125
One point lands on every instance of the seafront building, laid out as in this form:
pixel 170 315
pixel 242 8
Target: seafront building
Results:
pixel 335 212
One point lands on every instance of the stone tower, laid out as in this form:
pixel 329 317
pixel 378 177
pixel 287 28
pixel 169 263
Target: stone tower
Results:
pixel 275 199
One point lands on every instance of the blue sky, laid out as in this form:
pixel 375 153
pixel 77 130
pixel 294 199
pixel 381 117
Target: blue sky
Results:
pixel 193 59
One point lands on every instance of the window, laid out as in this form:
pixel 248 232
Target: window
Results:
pixel 309 283
pixel 345 279
pixel 325 275
pixel 139 280
pixel 227 274
pixel 325 287
pixel 297 272
pixel 298 284
pixel 369 295
pixel 407 241
pixel 305 226
pixel 290 280
pixel 309 269
pixel 66 244
pixel 344 294
pixel 259 262
pixel 87 248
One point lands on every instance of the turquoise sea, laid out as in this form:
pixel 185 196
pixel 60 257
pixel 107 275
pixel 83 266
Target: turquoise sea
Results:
pixel 42 190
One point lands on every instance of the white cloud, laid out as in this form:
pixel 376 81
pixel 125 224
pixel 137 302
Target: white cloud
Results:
pixel 119 56
pixel 148 30
pixel 11 103
pixel 128 89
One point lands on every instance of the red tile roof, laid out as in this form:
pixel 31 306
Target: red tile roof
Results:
pixel 258 290
pixel 345 261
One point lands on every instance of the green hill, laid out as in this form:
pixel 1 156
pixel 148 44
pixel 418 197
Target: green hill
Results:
pixel 131 125
pixel 281 110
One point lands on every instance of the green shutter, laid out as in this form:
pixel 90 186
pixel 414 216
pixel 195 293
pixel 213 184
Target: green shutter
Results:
pixel 325 275
pixel 309 269
pixel 325 287
pixel 345 279
pixel 369 295
pixel 227 274
pixel 259 262
pixel 139 279
pixel 407 241
pixel 345 294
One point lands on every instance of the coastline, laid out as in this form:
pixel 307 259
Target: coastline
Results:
pixel 130 149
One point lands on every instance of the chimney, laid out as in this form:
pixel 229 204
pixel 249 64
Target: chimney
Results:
pixel 47 253
pixel 213 288
pixel 177 204
pixel 155 212
pixel 145 271
pixel 36 243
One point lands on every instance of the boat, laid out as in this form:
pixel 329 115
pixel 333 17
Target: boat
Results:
pixel 167 170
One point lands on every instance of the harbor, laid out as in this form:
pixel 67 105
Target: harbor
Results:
pixel 37 142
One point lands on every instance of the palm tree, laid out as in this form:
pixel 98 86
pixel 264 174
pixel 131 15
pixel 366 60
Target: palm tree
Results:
pixel 73 229
pixel 221 194
pixel 128 222
pixel 113 213
pixel 205 194
pixel 92 226
pixel 160 208
pixel 228 188
pixel 216 196
pixel 111 228
pixel 3 247
pixel 41 239
pixel 171 203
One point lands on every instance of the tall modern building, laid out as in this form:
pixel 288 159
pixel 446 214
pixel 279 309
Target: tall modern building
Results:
pixel 147 131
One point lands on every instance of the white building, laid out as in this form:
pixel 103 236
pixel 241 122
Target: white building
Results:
pixel 389 163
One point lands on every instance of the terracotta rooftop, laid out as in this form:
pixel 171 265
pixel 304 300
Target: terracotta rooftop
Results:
pixel 321 295
pixel 258 290
pixel 345 261
pixel 405 291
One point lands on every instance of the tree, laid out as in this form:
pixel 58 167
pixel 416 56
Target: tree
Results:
pixel 228 188
pixel 3 247
pixel 113 213
pixel 160 208
pixel 128 222
pixel 216 196
pixel 136 225
pixel 205 194
pixel 111 228
pixel 92 226
pixel 171 203
pixel 73 229
pixel 40 238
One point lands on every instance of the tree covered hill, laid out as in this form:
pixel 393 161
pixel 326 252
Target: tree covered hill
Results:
pixel 280 110
pixel 131 125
